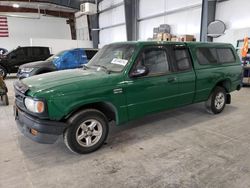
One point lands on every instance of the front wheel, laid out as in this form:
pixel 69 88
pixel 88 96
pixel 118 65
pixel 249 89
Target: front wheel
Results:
pixel 87 132
pixel 217 101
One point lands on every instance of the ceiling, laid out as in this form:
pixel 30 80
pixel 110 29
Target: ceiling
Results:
pixel 42 6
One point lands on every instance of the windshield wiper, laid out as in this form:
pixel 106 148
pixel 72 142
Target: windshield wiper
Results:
pixel 85 67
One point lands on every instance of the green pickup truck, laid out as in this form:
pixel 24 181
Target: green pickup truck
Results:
pixel 124 81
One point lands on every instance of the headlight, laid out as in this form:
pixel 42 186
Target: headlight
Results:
pixel 27 70
pixel 34 105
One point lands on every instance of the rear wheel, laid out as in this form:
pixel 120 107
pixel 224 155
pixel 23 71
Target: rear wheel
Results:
pixel 87 132
pixel 3 72
pixel 217 101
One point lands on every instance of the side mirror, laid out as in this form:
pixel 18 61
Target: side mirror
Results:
pixel 138 72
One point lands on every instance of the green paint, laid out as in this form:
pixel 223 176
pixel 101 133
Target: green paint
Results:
pixel 69 90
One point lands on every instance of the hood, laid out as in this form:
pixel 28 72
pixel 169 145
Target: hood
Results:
pixel 36 64
pixel 68 81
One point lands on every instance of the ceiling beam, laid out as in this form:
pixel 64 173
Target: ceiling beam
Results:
pixel 42 11
pixel 75 4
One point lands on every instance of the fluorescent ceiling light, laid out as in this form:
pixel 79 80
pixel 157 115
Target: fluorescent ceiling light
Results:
pixel 15 5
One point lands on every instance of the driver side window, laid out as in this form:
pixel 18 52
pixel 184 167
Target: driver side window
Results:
pixel 155 60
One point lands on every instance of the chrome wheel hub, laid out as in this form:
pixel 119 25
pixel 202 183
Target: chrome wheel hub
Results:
pixel 219 100
pixel 89 133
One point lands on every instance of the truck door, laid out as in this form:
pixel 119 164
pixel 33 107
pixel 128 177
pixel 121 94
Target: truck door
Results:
pixel 184 73
pixel 156 91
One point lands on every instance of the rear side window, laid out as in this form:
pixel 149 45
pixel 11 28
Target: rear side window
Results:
pixel 182 59
pixel 225 55
pixel 45 51
pixel 206 56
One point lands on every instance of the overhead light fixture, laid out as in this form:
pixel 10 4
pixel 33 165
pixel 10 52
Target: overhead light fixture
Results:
pixel 15 5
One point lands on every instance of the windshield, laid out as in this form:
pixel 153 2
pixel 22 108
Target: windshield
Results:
pixel 56 56
pixel 10 51
pixel 113 57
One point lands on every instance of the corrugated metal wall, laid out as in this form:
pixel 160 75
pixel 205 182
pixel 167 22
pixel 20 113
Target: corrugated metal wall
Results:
pixel 184 16
pixel 112 21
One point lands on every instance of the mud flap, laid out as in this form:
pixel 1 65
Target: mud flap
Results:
pixel 228 99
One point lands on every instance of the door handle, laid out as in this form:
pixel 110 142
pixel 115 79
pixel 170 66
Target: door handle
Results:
pixel 172 79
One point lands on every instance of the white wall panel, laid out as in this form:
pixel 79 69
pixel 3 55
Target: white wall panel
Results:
pixel 108 3
pixel 114 34
pixel 149 7
pixel 146 27
pixel 235 14
pixel 112 17
pixel 45 27
pixel 183 22
pixel 172 5
pixel 22 29
pixel 57 45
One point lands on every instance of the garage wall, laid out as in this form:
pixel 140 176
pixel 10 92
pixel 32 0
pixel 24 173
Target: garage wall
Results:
pixel 111 22
pixel 184 16
pixel 57 45
pixel 235 14
pixel 22 29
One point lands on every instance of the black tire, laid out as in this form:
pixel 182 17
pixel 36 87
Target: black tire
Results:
pixel 3 72
pixel 216 101
pixel 6 100
pixel 82 118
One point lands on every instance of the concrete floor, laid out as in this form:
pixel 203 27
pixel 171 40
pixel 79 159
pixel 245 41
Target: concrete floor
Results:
pixel 186 147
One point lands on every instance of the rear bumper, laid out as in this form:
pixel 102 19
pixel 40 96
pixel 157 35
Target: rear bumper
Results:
pixel 47 131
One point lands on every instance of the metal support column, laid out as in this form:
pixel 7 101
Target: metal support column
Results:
pixel 94 25
pixel 131 11
pixel 207 16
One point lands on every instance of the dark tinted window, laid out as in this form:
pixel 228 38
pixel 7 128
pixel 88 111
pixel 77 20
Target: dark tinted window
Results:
pixel 45 51
pixel 225 55
pixel 182 59
pixel 37 51
pixel 155 60
pixel 206 56
pixel 29 51
pixel 21 52
pixel 90 53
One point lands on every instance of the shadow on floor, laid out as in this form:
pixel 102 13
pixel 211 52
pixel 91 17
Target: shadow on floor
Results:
pixel 130 133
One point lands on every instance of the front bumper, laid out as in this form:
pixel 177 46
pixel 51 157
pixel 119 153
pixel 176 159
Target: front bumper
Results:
pixel 47 131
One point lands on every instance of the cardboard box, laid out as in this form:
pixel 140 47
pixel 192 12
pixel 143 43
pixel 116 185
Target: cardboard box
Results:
pixel 164 28
pixel 246 80
pixel 155 35
pixel 159 36
pixel 185 38
pixel 166 37
pixel 156 30
pixel 175 39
